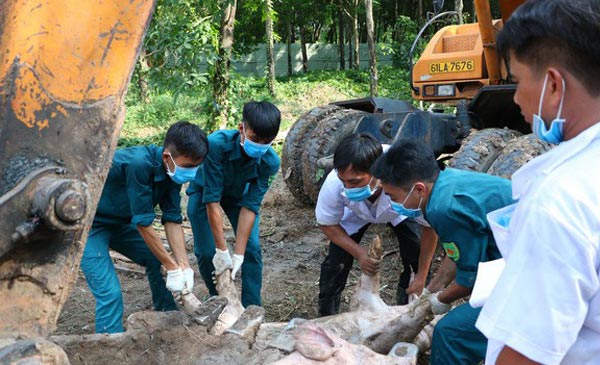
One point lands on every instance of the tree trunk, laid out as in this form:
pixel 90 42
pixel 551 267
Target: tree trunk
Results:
pixel 341 36
pixel 289 47
pixel 395 30
pixel 420 9
pixel 143 74
pixel 355 37
pixel 371 43
pixel 350 51
pixel 303 46
pixel 221 74
pixel 317 33
pixel 458 7
pixel 270 57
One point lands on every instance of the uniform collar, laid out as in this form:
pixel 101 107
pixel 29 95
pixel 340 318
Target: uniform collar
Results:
pixel 383 203
pixel 436 184
pixel 236 148
pixel 158 168
pixel 440 180
pixel 549 161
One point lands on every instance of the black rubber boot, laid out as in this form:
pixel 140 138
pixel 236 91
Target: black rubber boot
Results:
pixel 401 296
pixel 329 306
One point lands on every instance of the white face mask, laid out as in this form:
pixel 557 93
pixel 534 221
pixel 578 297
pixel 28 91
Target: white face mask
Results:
pixel 555 133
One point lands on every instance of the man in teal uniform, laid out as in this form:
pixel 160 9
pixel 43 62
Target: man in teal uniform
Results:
pixel 139 179
pixel 455 203
pixel 235 177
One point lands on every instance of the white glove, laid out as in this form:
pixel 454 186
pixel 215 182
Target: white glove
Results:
pixel 188 275
pixel 237 264
pixel 175 280
pixel 438 307
pixel 221 261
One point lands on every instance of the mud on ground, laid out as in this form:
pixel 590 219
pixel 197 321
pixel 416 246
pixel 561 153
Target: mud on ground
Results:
pixel 293 248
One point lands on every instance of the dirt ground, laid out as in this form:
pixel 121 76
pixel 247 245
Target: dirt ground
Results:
pixel 293 248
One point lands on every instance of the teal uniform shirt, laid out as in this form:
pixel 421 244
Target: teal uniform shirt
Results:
pixel 229 177
pixel 136 183
pixel 457 210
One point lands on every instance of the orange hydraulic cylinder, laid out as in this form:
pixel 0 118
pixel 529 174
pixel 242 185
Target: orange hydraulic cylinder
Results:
pixel 488 37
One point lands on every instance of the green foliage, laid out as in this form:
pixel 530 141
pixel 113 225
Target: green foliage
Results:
pixel 181 35
pixel 250 24
pixel 147 123
pixel 393 83
pixel 398 40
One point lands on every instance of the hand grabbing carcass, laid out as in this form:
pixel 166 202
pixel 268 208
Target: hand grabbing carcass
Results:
pixel 370 322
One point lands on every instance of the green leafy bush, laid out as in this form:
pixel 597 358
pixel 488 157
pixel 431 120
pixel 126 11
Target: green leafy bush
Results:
pixel 147 122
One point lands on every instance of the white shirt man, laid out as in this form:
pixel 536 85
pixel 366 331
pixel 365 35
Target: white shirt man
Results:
pixel 561 262
pixel 545 307
pixel 349 201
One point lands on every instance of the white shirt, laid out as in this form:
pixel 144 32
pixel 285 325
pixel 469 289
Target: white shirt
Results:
pixel 333 207
pixel 546 304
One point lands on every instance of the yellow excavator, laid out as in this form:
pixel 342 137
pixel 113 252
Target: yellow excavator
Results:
pixel 458 68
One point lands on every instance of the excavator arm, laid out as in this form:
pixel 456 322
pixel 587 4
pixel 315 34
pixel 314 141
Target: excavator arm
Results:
pixel 64 70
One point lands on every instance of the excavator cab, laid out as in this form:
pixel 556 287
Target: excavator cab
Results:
pixel 452 66
pixel 461 62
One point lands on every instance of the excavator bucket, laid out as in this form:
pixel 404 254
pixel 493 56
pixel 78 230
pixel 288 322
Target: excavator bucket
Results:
pixel 64 70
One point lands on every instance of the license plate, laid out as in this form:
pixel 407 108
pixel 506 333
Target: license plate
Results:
pixel 451 66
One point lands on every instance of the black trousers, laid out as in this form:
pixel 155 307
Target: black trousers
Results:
pixel 338 262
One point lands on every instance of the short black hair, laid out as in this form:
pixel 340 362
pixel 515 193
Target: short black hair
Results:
pixel 545 32
pixel 186 139
pixel 406 162
pixel 263 118
pixel 359 150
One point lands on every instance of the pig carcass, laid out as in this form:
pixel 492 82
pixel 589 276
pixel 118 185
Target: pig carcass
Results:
pixel 370 321
pixel 220 331
pixel 315 345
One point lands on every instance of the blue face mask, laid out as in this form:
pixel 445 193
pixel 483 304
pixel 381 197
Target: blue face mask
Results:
pixel 555 133
pixel 254 149
pixel 359 194
pixel 402 210
pixel 181 175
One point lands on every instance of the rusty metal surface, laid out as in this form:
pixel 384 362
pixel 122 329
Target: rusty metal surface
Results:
pixel 507 7
pixel 36 192
pixel 64 70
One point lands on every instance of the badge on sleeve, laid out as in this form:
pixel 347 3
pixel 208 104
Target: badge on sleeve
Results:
pixel 451 250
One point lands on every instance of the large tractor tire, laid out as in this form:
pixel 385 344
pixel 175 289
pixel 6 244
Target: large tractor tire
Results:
pixel 295 143
pixel 517 153
pixel 481 148
pixel 322 143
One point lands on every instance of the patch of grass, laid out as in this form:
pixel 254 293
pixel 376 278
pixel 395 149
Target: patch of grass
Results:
pixel 147 123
